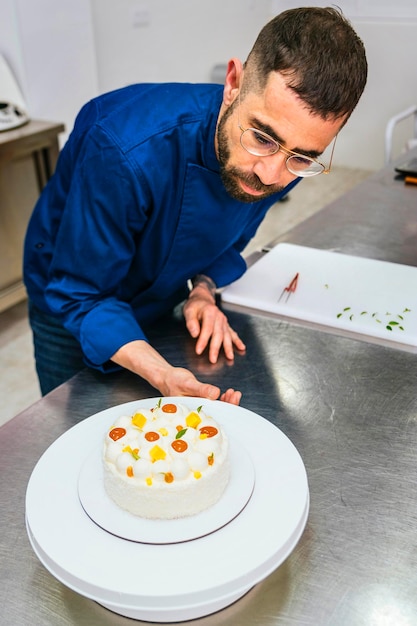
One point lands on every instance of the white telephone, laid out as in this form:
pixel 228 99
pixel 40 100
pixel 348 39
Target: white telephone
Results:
pixel 12 106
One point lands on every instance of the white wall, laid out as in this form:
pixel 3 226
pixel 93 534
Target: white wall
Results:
pixel 65 52
pixel 50 48
pixel 392 87
pixel 171 40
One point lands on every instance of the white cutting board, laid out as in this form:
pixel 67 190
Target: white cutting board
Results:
pixel 373 298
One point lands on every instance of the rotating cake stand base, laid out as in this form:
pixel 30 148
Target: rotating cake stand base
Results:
pixel 140 580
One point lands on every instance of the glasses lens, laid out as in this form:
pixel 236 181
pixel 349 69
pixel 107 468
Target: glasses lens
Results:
pixel 303 166
pixel 258 143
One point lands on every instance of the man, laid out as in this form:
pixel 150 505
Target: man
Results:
pixel 160 185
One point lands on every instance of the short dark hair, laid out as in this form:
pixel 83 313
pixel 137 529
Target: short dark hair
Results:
pixel 318 52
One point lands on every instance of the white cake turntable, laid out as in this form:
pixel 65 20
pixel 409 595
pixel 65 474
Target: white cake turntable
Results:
pixel 167 571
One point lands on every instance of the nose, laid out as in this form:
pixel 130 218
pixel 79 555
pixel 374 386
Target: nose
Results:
pixel 272 170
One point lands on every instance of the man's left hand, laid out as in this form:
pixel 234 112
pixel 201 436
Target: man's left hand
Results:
pixel 209 325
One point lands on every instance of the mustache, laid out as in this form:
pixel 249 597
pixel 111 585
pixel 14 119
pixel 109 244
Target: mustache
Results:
pixel 253 181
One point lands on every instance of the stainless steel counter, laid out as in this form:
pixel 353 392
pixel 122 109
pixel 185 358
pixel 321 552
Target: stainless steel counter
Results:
pixel 350 408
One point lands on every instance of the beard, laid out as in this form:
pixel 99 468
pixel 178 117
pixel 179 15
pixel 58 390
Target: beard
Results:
pixel 231 175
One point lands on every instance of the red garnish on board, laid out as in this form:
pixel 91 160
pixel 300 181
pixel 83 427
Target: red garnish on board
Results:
pixel 289 289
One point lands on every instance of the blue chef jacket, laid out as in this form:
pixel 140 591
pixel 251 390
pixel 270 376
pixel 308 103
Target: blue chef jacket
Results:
pixel 135 208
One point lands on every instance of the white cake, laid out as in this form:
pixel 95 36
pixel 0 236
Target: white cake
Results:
pixel 165 462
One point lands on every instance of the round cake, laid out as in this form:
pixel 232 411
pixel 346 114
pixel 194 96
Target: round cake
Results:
pixel 165 462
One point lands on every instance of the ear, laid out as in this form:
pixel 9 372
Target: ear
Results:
pixel 232 81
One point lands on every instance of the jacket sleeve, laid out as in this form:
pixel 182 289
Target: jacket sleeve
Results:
pixel 104 213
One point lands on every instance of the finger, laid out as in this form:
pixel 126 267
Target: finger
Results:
pixel 191 321
pixel 204 390
pixel 210 391
pixel 229 339
pixel 221 338
pixel 239 344
pixel 207 329
pixel 216 331
pixel 194 387
pixel 231 396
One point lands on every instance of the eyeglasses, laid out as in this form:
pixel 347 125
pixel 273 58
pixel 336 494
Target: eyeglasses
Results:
pixel 258 143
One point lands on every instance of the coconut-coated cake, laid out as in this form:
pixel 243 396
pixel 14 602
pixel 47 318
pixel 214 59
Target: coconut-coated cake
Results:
pixel 166 462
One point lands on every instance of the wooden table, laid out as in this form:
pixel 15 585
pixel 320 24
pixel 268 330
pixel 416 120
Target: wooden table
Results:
pixel 28 156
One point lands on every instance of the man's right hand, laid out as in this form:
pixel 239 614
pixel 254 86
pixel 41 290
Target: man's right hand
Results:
pixel 142 359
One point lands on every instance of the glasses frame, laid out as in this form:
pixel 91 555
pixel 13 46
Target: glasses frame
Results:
pixel 280 148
